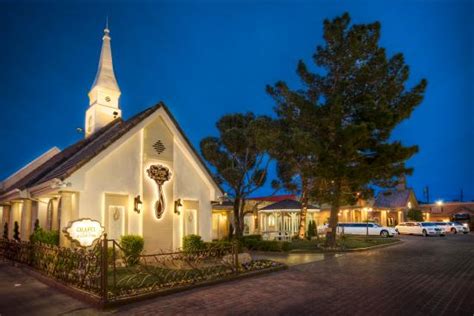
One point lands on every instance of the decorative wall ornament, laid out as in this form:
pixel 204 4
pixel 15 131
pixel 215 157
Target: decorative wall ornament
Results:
pixel 160 174
pixel 159 147
pixel 116 215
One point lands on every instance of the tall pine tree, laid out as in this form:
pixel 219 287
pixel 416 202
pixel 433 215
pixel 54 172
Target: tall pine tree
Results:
pixel 357 97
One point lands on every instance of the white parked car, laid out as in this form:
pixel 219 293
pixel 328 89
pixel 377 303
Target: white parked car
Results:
pixel 364 228
pixel 451 227
pixel 423 228
pixel 465 227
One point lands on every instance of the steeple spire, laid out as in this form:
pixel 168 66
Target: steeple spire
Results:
pixel 105 93
pixel 105 73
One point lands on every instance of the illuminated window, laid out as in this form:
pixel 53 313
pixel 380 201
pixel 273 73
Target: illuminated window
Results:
pixel 271 220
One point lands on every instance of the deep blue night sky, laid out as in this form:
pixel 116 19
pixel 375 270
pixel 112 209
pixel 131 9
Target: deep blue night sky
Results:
pixel 205 59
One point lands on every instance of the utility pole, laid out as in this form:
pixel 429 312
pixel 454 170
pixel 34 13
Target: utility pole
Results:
pixel 426 192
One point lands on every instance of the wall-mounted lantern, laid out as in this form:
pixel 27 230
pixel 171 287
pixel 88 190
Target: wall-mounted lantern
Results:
pixel 137 204
pixel 177 206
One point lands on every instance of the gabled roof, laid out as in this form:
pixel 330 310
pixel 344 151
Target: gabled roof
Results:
pixel 63 164
pixel 287 205
pixel 274 198
pixel 392 199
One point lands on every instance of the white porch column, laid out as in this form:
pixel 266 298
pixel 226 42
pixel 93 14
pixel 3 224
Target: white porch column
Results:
pixel 67 211
pixel 25 224
pixel 6 217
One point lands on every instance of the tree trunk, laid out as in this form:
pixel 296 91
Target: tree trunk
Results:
pixel 304 211
pixel 335 206
pixel 238 204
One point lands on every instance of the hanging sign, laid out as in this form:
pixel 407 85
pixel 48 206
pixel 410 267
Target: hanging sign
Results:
pixel 84 231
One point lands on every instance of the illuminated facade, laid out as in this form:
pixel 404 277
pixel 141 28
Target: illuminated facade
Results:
pixel 106 176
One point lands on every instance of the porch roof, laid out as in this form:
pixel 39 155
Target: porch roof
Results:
pixel 287 206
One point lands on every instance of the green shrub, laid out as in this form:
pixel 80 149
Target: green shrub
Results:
pixel 16 231
pixel 5 231
pixel 266 245
pixel 132 246
pixel 254 237
pixel 193 243
pixel 45 237
pixel 37 225
pixel 217 244
pixel 311 232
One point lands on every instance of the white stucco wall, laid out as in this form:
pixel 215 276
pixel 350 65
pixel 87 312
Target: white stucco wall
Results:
pixel 115 171
pixel 121 169
pixel 190 185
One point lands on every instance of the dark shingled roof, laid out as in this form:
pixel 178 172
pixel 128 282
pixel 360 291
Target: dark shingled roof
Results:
pixel 63 164
pixel 286 205
pixel 392 199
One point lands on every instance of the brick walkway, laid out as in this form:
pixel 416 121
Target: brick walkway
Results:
pixel 423 276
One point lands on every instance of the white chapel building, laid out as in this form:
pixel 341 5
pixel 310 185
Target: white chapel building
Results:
pixel 138 176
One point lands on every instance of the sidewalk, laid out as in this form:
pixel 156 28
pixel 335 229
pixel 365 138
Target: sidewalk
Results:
pixel 21 294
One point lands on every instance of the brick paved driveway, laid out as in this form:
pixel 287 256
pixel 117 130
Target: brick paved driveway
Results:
pixel 422 276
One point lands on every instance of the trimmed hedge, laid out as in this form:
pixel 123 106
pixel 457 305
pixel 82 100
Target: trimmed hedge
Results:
pixel 50 237
pixel 193 243
pixel 265 245
pixel 132 246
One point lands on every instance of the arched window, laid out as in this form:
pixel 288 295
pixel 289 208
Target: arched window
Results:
pixel 49 214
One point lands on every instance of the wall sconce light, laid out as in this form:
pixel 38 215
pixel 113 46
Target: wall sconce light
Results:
pixel 137 204
pixel 177 206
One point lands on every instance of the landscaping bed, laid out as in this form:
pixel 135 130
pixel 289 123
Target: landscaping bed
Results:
pixel 344 243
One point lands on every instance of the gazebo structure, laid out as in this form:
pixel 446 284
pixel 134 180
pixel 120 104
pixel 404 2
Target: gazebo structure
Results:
pixel 281 220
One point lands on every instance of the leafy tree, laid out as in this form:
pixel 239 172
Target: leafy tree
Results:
pixel 16 231
pixel 415 215
pixel 5 231
pixel 358 96
pixel 239 157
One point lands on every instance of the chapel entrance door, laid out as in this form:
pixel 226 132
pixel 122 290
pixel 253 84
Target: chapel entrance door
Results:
pixel 115 215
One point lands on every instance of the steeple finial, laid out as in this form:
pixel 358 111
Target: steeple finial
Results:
pixel 107 22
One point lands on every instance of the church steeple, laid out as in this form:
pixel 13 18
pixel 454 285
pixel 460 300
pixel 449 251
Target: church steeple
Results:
pixel 105 92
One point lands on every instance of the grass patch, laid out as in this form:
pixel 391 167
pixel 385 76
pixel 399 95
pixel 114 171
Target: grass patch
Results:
pixel 346 242
pixel 355 242
pixel 142 279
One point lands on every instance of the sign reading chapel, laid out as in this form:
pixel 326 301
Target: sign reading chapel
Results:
pixel 85 231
